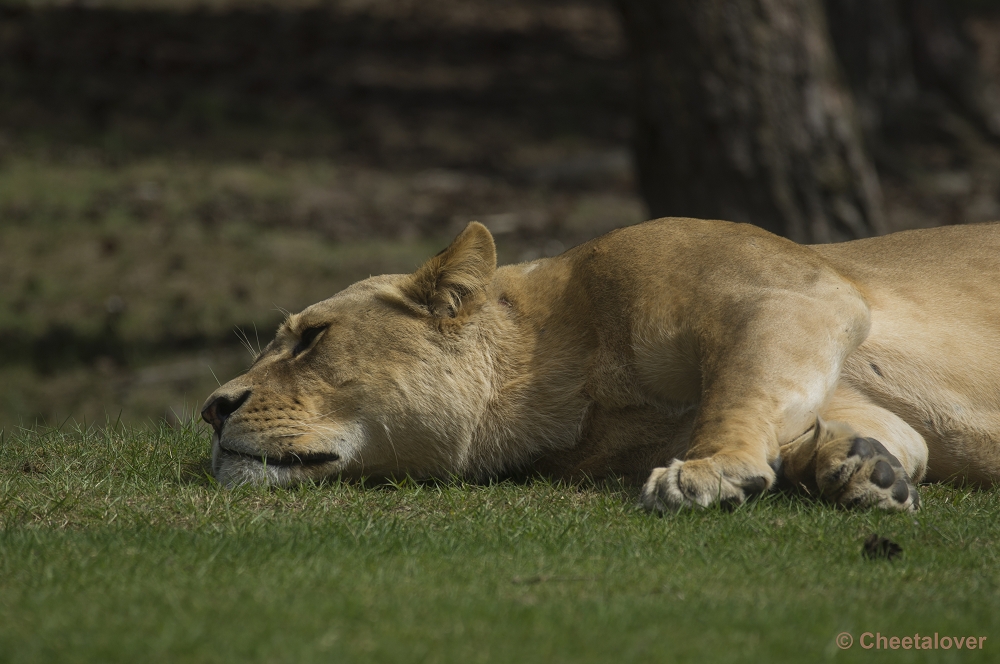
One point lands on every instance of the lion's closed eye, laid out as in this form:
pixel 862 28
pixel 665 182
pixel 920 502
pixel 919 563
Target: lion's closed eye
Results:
pixel 307 338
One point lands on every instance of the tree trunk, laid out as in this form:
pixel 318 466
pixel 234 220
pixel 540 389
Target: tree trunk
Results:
pixel 908 61
pixel 740 115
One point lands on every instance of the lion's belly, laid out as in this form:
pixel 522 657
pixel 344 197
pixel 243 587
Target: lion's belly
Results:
pixel 942 380
pixel 932 355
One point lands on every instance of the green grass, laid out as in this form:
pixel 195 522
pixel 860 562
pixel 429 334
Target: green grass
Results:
pixel 114 548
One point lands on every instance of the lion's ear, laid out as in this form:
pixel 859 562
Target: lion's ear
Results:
pixel 455 280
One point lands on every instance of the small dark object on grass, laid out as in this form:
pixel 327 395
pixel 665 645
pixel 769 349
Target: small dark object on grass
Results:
pixel 880 547
pixel 32 468
pixel 542 578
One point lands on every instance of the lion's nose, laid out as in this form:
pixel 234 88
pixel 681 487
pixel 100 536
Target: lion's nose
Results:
pixel 219 409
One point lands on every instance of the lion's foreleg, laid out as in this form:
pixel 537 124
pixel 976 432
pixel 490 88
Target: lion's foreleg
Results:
pixel 763 384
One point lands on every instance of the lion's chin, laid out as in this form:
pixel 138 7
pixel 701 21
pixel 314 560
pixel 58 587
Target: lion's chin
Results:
pixel 232 468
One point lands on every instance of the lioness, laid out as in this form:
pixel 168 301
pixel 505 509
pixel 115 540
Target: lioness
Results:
pixel 708 358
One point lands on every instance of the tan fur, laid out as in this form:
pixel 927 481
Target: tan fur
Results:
pixel 707 358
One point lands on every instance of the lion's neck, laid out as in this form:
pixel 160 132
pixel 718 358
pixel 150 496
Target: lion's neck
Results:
pixel 539 344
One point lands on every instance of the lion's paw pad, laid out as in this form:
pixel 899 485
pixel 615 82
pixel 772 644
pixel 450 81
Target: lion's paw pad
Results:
pixel 869 475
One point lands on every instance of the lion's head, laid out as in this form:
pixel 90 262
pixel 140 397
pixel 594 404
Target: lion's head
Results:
pixel 389 377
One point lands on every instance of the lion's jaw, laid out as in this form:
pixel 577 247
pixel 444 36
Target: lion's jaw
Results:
pixel 232 467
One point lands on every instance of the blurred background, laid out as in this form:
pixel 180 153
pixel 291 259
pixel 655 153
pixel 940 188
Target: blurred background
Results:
pixel 176 175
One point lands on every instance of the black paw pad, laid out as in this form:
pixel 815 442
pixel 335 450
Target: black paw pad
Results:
pixel 881 450
pixel 900 491
pixel 914 497
pixel 754 485
pixel 863 448
pixel 883 475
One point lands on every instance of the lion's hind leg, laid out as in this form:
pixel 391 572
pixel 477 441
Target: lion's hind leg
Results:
pixel 848 469
pixel 866 457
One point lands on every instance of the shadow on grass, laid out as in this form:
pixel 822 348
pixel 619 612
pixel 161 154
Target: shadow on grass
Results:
pixel 197 473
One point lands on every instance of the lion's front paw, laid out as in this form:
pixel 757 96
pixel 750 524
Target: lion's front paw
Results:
pixel 700 483
pixel 862 472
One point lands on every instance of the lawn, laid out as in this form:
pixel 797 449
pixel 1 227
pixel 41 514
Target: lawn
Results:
pixel 115 546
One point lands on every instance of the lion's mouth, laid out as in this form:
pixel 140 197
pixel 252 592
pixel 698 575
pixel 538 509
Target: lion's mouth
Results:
pixel 286 460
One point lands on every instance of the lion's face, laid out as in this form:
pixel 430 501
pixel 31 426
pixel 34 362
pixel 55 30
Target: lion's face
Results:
pixel 367 383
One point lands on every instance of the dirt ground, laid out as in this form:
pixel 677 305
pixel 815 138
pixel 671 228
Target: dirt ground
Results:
pixel 175 174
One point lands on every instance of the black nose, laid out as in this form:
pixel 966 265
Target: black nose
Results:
pixel 218 411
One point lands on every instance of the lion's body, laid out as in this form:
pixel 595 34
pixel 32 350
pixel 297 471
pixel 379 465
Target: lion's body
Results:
pixel 935 339
pixel 716 343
